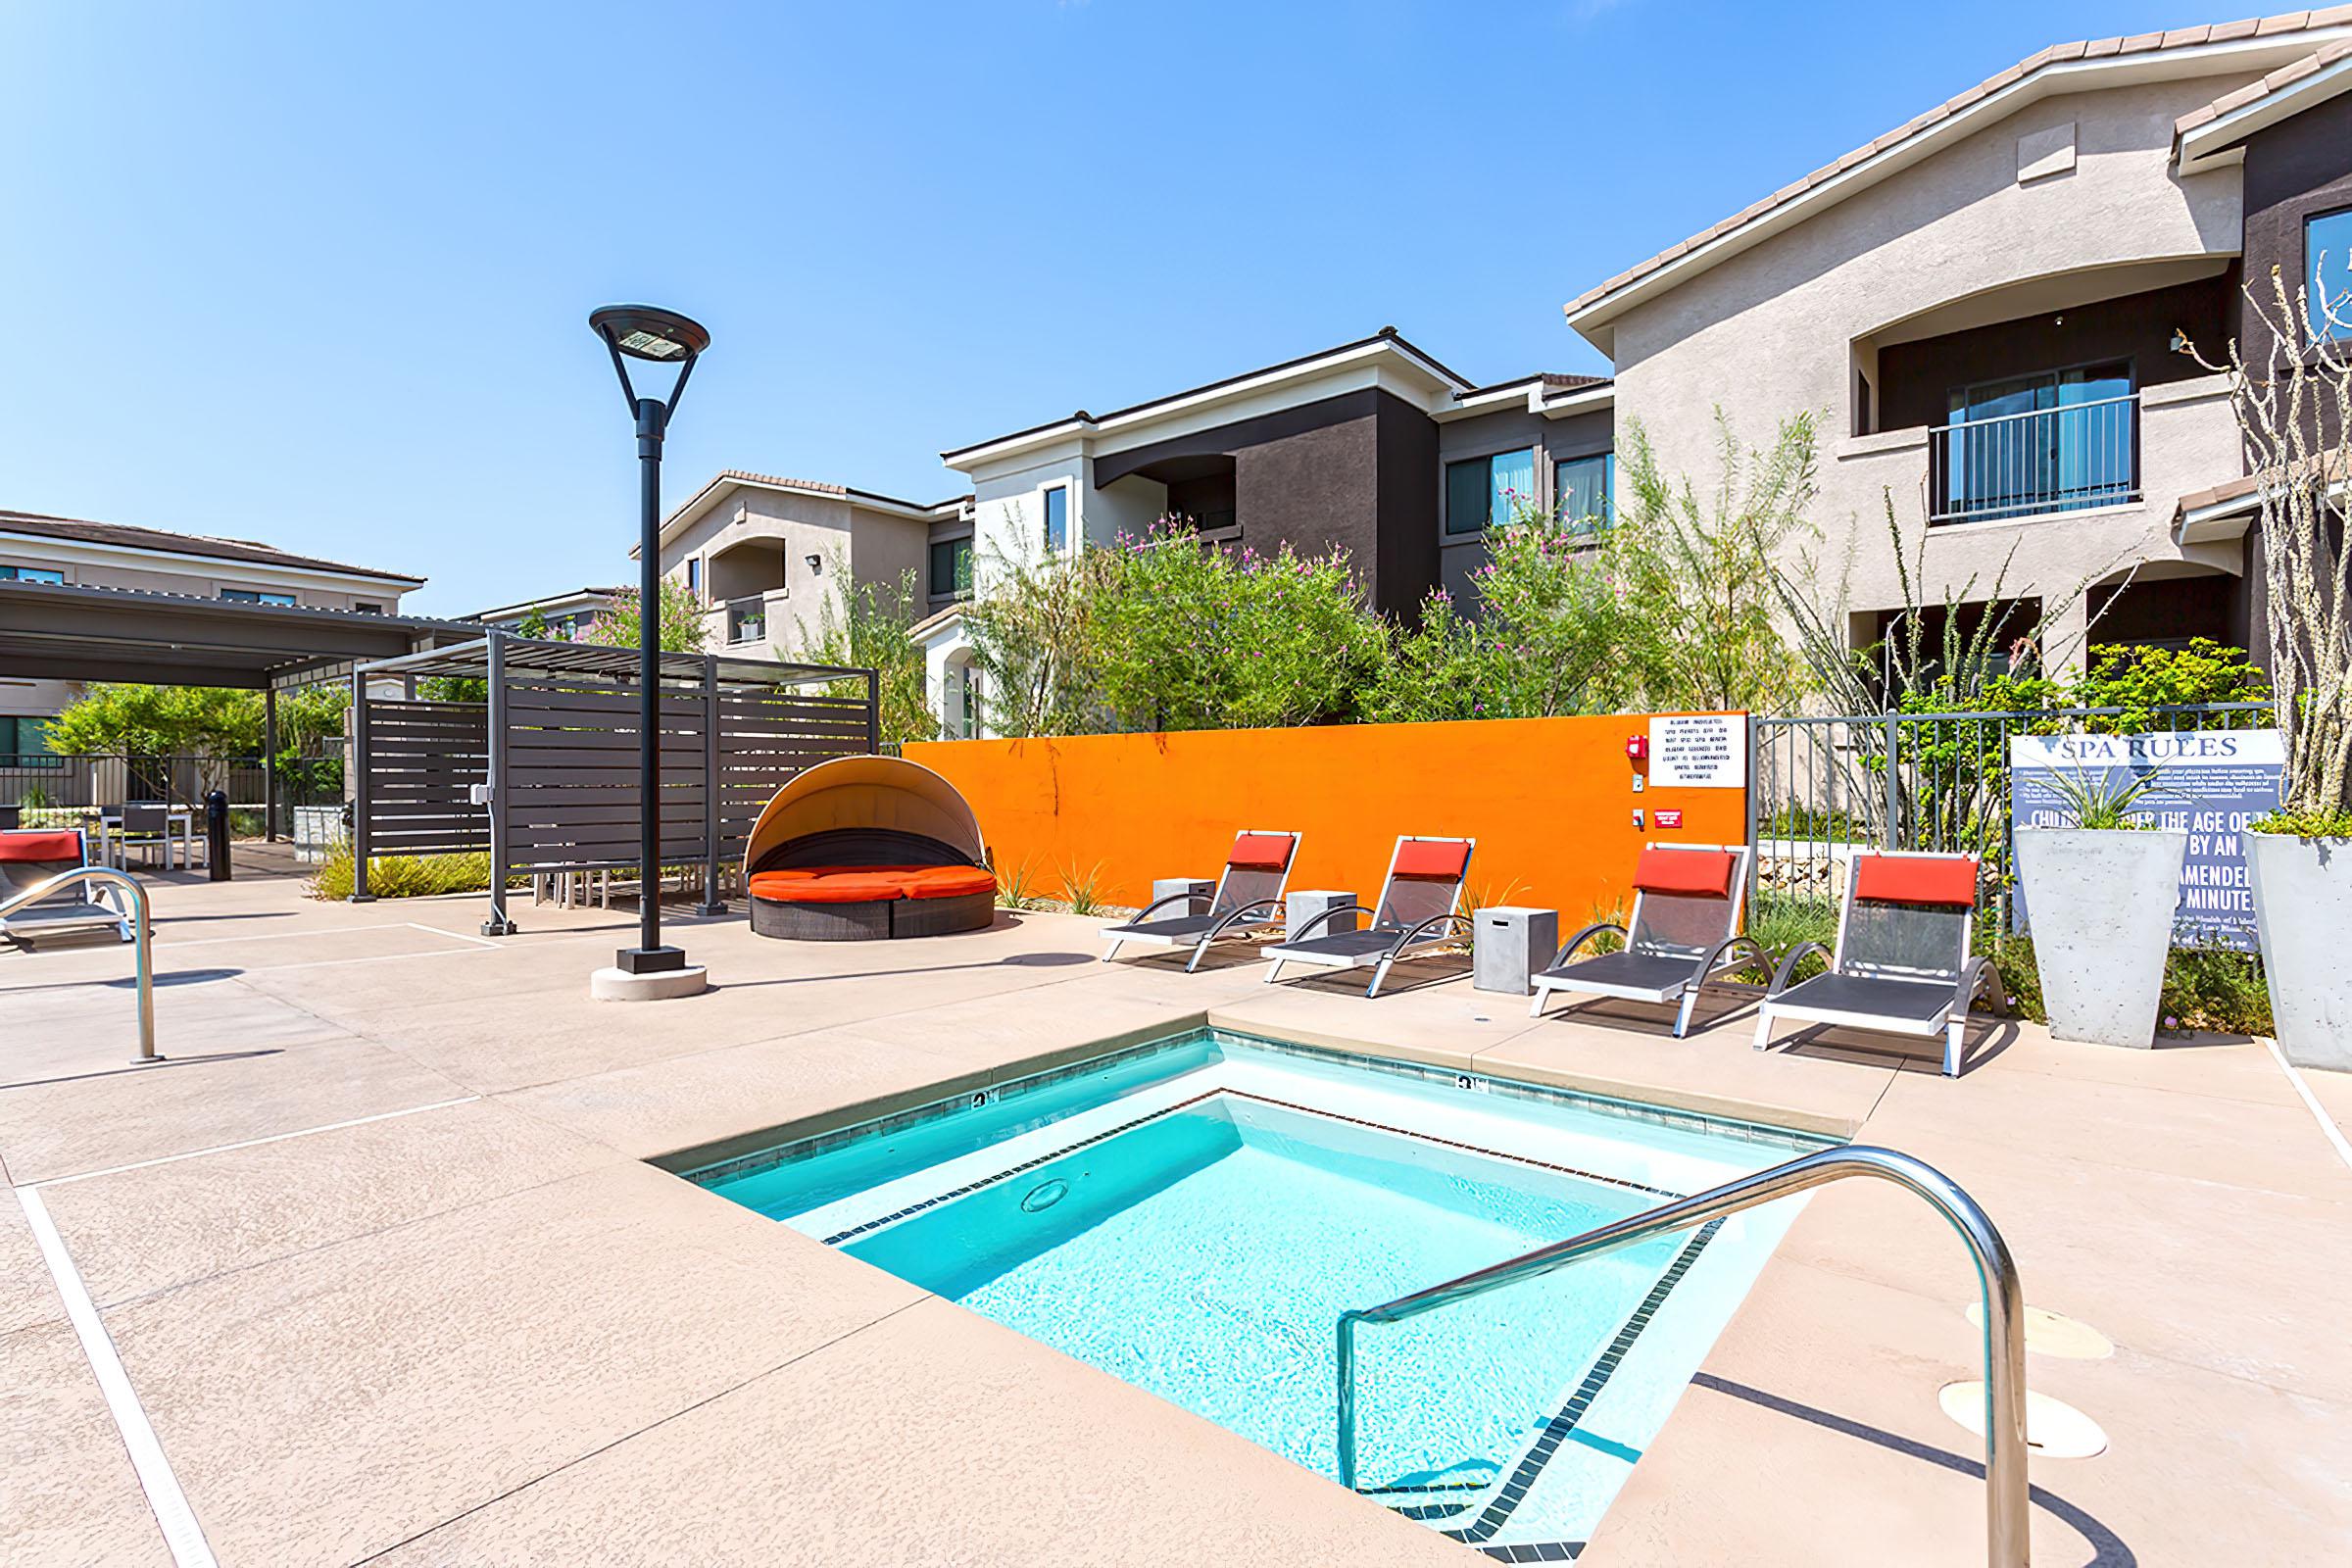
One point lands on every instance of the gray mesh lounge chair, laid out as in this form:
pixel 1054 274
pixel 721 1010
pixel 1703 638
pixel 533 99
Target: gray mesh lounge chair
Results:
pixel 1248 895
pixel 1418 910
pixel 32 855
pixel 1902 965
pixel 1684 931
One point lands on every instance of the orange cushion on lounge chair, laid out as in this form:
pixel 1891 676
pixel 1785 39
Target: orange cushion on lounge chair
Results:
pixel 1443 858
pixel 827 887
pixel 1689 874
pixel 1917 879
pixel 1262 852
pixel 947 881
pixel 47 844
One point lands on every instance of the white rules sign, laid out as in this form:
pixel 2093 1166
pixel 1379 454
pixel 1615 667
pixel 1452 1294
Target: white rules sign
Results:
pixel 1698 751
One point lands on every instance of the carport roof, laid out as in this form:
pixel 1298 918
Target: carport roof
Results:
pixel 70 632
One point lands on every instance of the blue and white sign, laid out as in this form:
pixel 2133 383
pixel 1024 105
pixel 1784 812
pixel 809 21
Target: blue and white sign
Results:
pixel 2209 784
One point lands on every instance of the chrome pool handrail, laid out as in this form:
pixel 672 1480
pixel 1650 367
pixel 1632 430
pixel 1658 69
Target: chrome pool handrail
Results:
pixel 2006 1495
pixel 138 906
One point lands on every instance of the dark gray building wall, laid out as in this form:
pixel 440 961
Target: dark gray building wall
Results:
pixel 1581 435
pixel 2295 169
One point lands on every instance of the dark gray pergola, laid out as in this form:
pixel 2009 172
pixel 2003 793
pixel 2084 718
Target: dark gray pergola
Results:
pixel 50 631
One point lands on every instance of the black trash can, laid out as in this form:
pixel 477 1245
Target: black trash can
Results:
pixel 216 835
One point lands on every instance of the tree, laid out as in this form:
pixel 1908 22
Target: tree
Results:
pixel 868 629
pixel 1036 639
pixel 682 631
pixel 1702 630
pixel 214 725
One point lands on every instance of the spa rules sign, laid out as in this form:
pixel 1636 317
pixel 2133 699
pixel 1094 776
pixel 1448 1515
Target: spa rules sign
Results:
pixel 2209 783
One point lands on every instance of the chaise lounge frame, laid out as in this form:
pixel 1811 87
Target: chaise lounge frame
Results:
pixel 1394 933
pixel 1236 907
pixel 1656 964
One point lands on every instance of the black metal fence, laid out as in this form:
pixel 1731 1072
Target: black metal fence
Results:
pixel 42 782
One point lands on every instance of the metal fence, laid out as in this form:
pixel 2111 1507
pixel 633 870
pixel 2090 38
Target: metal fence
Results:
pixel 43 781
pixel 1826 787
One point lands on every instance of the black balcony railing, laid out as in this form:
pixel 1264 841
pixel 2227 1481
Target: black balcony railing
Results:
pixel 2043 460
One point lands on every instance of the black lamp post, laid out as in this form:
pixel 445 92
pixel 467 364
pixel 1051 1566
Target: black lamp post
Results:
pixel 664 338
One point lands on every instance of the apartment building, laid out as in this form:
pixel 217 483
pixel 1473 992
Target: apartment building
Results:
pixel 764 557
pixel 37 548
pixel 1374 447
pixel 1990 304
pixel 565 616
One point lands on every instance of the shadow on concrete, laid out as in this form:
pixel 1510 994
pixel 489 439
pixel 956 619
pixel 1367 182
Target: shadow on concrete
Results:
pixel 2107 1549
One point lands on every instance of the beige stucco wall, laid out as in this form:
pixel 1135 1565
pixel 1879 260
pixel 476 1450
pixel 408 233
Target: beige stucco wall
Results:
pixel 1772 331
pixel 755 540
pixel 97 567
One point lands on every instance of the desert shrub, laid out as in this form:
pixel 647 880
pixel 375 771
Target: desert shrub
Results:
pixel 401 876
pixel 866 629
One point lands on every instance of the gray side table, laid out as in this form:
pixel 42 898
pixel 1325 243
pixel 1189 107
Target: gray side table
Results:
pixel 1201 888
pixel 1510 945
pixel 1300 908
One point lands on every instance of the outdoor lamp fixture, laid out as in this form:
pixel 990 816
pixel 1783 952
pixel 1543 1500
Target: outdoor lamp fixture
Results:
pixel 661 337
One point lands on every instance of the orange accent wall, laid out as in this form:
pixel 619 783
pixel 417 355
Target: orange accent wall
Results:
pixel 1551 802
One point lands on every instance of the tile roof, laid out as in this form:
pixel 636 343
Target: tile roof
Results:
pixel 130 537
pixel 2096 49
pixel 2285 76
pixel 1552 382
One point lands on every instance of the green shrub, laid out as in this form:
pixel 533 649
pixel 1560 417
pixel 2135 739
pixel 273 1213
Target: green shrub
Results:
pixel 1782 921
pixel 2206 989
pixel 402 876
pixel 2306 824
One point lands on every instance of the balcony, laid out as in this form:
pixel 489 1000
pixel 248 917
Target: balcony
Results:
pixel 746 619
pixel 2008 466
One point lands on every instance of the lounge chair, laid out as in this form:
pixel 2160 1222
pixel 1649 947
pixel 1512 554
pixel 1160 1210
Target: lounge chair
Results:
pixel 1248 895
pixel 30 857
pixel 1418 910
pixel 1901 964
pixel 1684 932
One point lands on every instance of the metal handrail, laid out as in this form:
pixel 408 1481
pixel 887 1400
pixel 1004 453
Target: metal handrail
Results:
pixel 138 906
pixel 2036 414
pixel 2006 1496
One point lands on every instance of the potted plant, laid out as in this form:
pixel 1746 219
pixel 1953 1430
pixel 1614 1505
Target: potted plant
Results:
pixel 2294 415
pixel 2101 896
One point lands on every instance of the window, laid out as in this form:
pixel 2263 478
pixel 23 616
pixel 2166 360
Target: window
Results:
pixel 694 577
pixel 950 567
pixel 2328 263
pixel 25 742
pixel 1580 491
pixel 1484 491
pixel 359 608
pixel 2053 441
pixel 1057 520
pixel 251 596
pixel 30 574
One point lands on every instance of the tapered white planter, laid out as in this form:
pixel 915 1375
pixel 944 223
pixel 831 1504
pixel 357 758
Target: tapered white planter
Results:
pixel 2303 911
pixel 2100 905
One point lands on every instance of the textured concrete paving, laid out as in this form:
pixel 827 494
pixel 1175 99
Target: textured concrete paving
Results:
pixel 379 1254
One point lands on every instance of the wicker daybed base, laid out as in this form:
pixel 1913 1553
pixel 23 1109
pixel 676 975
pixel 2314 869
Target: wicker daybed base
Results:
pixel 872 920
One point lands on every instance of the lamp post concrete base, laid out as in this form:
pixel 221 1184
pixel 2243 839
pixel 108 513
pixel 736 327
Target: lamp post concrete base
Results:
pixel 614 984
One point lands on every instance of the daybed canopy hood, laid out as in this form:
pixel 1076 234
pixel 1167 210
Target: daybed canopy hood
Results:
pixel 867 793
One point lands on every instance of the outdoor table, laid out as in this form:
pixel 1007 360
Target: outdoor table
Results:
pixel 179 819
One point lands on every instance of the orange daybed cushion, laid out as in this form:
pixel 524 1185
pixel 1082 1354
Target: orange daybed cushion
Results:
pixel 1916 879
pixel 1433 857
pixel 1686 874
pixel 869 884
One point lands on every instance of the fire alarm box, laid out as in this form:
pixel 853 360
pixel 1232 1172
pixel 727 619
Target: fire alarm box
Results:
pixel 1637 747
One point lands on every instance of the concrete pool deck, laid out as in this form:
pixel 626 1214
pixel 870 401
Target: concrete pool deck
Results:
pixel 388 1277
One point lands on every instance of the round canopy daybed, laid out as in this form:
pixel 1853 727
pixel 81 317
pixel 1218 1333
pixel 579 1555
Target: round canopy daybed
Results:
pixel 864 847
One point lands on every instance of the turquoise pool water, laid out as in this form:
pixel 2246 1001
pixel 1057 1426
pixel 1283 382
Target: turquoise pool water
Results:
pixel 1194 1219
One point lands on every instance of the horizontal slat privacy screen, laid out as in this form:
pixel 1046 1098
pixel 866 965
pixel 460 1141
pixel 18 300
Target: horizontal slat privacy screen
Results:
pixel 565 774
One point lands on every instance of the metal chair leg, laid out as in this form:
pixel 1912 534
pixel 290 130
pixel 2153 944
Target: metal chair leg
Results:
pixel 1535 1004
pixel 1380 972
pixel 1682 1019
pixel 1951 1046
pixel 1272 969
pixel 1763 1028
pixel 1112 953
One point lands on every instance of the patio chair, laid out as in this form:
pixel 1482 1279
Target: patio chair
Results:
pixel 1248 895
pixel 146 827
pixel 1684 932
pixel 1902 963
pixel 30 857
pixel 1418 910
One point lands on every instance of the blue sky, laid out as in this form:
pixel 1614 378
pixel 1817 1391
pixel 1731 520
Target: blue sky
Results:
pixel 319 274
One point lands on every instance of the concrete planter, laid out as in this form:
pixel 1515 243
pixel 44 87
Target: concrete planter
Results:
pixel 2303 909
pixel 2102 904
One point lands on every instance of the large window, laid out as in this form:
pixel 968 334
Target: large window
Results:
pixel 1580 491
pixel 30 574
pixel 25 742
pixel 694 577
pixel 1057 520
pixel 950 567
pixel 2328 272
pixel 2053 441
pixel 1483 491
pixel 254 596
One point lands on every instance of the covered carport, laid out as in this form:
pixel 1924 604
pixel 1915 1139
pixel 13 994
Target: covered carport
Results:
pixel 51 631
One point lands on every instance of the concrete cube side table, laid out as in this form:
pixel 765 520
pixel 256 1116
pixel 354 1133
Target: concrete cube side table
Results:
pixel 1200 888
pixel 1510 945
pixel 1302 907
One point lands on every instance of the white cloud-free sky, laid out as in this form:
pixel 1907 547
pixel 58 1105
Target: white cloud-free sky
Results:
pixel 320 274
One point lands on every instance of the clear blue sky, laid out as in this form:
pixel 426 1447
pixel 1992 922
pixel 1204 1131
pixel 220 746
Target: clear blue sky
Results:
pixel 319 274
